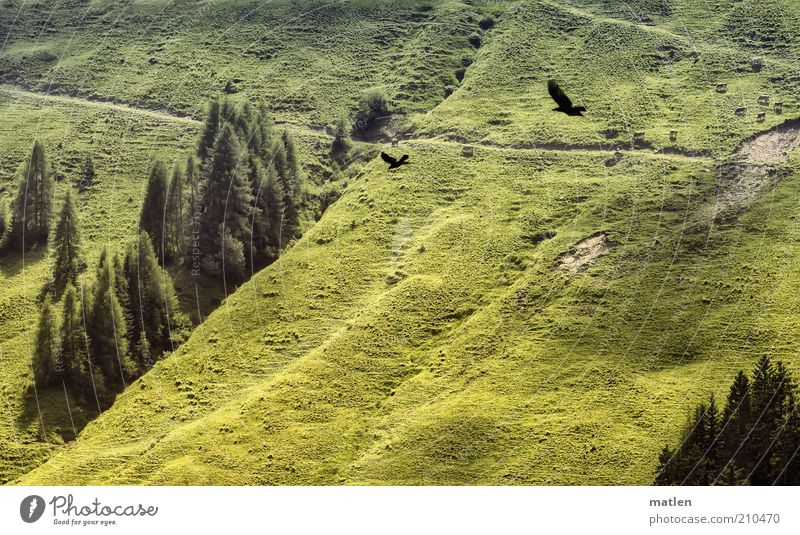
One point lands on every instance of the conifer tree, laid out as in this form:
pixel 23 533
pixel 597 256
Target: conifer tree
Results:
pixel 228 199
pixel 144 287
pixel 785 463
pixel 266 219
pixel 151 218
pixel 767 393
pixel 210 130
pixel 737 420
pixel 253 190
pixel 3 223
pixel 157 325
pixel 193 184
pixel 731 475
pixel 143 353
pixel 107 330
pixel 294 170
pixel 696 460
pixel 66 246
pixel 278 161
pixel 756 441
pixel 174 242
pixel 122 292
pixel 74 345
pixel 780 417
pixel 33 202
pixel 292 180
pixel 260 135
pixel 281 165
pixel 256 246
pixel 263 135
pixel 192 225
pixel 272 204
pixel 709 465
pixel 228 115
pixel 244 124
pixel 45 366
pixel 667 467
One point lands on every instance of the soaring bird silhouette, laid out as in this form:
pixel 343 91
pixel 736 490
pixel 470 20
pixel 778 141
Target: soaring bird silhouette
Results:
pixel 563 101
pixel 393 162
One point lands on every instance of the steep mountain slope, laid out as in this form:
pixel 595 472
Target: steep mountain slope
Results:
pixel 112 51
pixel 175 55
pixel 422 333
pixel 632 77
pixel 123 143
pixel 391 333
pixel 538 313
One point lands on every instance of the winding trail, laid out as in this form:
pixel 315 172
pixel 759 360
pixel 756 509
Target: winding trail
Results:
pixel 694 42
pixel 598 148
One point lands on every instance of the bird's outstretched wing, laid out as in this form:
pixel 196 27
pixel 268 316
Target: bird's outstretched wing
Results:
pixel 558 95
pixel 388 159
pixel 403 158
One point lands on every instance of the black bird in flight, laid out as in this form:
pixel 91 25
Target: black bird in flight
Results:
pixel 394 163
pixel 563 101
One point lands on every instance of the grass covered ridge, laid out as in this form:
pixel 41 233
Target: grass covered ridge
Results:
pixel 430 327
pixel 123 143
pixel 417 335
pixel 176 55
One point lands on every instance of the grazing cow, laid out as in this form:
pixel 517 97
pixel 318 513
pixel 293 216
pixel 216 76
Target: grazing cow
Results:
pixel 394 142
pixel 757 63
pixel 467 151
pixel 722 88
pixel 761 116
pixel 779 107
pixel 673 135
pixel 638 135
pixel 741 110
pixel 763 99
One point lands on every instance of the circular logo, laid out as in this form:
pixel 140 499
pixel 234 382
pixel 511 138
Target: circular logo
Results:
pixel 31 509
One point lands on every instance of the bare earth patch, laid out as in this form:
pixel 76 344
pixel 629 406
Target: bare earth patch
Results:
pixel 756 167
pixel 773 146
pixel 585 252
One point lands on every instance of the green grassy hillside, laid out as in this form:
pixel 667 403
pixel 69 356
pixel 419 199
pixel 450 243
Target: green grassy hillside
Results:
pixel 175 55
pixel 417 335
pixel 537 313
pixel 123 143
pixel 631 76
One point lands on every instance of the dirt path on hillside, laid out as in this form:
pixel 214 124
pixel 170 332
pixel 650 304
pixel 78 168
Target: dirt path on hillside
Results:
pixel 644 149
pixel 756 166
